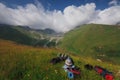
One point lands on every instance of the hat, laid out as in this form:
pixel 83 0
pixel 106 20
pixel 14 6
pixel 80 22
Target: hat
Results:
pixel 68 62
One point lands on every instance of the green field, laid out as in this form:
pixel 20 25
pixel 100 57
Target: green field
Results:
pixel 25 35
pixel 19 62
pixel 98 41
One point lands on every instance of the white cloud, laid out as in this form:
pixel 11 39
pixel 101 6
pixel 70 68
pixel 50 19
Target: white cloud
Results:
pixel 79 15
pixel 114 2
pixel 37 17
pixel 108 16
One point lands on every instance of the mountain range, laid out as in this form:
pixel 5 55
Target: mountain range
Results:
pixel 27 35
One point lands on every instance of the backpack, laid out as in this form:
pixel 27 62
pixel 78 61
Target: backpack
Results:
pixel 55 60
pixel 103 72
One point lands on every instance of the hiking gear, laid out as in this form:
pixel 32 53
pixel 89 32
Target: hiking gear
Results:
pixel 109 77
pixel 100 70
pixel 66 67
pixel 74 71
pixel 88 66
pixel 55 60
pixel 103 72
pixel 70 75
pixel 63 57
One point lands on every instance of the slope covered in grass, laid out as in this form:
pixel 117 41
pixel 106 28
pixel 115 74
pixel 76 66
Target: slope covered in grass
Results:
pixel 24 35
pixel 9 33
pixel 19 62
pixel 98 41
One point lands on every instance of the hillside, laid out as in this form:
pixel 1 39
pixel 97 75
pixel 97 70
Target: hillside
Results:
pixel 26 35
pixel 19 62
pixel 95 40
pixel 9 33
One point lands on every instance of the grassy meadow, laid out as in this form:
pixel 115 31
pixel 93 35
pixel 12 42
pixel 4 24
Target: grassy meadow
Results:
pixel 94 40
pixel 20 62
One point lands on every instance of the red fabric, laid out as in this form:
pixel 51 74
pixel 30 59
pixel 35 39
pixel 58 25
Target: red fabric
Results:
pixel 108 77
pixel 99 70
pixel 75 71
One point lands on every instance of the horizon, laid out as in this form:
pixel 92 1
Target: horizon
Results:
pixel 60 16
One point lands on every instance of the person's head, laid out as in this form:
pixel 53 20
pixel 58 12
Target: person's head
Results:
pixel 68 61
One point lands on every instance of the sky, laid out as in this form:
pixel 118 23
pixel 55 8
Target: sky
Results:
pixel 57 4
pixel 59 15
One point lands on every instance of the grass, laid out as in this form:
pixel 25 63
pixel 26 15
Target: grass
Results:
pixel 20 62
pixel 9 33
pixel 94 40
pixel 24 36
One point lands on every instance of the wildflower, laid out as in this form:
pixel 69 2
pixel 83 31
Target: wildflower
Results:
pixel 46 77
pixel 28 75
pixel 56 71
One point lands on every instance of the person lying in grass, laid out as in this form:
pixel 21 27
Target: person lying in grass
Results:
pixel 69 64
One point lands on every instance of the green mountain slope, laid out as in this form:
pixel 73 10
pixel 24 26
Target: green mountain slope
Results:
pixel 98 41
pixel 25 35
pixel 9 33
pixel 20 62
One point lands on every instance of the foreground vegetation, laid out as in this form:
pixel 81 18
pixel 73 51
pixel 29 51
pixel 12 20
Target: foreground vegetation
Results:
pixel 19 62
